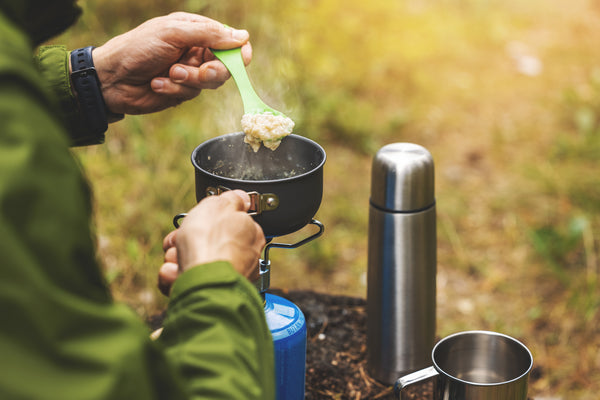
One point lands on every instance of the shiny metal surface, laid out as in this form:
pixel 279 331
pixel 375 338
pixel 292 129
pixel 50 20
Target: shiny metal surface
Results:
pixel 264 280
pixel 402 256
pixel 402 178
pixel 476 365
pixel 482 357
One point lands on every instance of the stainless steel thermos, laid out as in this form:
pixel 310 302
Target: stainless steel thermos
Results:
pixel 401 292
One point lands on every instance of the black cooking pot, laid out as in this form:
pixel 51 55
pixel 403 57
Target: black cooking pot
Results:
pixel 286 185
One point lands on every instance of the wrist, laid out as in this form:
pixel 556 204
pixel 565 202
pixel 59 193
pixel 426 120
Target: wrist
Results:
pixel 105 70
pixel 106 76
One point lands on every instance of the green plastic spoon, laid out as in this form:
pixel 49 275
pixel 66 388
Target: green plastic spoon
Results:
pixel 232 58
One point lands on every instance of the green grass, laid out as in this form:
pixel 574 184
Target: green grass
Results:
pixel 517 156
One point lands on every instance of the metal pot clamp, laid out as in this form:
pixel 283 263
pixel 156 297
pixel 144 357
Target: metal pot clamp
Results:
pixel 258 202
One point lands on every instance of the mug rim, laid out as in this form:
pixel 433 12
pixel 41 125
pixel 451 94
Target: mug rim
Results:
pixel 488 333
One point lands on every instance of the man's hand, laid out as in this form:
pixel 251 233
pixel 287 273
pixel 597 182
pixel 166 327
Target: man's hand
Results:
pixel 218 228
pixel 165 61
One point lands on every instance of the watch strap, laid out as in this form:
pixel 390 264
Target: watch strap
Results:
pixel 89 94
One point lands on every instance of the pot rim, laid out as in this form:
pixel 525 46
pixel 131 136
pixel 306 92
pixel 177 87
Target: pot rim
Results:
pixel 317 146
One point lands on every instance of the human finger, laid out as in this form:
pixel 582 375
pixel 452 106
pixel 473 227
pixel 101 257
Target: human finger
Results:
pixel 195 56
pixel 174 93
pixel 239 199
pixel 245 260
pixel 169 240
pixel 259 238
pixel 187 30
pixel 247 53
pixel 246 50
pixel 204 76
pixel 231 200
pixel 171 255
pixel 186 82
pixel 253 275
pixel 167 275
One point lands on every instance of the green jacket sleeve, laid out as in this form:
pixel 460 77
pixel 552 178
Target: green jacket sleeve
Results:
pixel 213 355
pixel 52 62
pixel 62 336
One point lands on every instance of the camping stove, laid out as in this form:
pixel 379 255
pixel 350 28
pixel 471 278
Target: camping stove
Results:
pixel 286 188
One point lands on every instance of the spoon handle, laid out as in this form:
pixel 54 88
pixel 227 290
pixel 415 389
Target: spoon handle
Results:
pixel 232 58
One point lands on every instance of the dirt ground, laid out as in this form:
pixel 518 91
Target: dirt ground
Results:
pixel 336 350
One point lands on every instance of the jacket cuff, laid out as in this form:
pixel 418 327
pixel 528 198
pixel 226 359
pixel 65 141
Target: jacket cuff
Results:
pixel 218 274
pixel 212 274
pixel 53 63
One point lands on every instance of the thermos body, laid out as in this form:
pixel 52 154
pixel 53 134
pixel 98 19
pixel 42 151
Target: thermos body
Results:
pixel 402 258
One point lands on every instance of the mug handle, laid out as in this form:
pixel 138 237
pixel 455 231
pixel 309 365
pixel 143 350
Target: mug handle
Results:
pixel 416 377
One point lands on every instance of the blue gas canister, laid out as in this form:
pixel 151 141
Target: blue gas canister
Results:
pixel 288 328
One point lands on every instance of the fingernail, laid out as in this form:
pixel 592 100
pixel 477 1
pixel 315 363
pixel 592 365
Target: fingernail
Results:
pixel 245 198
pixel 179 74
pixel 157 84
pixel 211 74
pixel 240 34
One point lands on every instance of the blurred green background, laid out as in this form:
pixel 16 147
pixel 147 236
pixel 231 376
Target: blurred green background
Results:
pixel 504 94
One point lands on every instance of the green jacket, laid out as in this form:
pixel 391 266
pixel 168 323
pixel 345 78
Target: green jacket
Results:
pixel 62 336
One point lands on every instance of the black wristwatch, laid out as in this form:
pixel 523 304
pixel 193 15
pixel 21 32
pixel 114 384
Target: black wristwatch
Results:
pixel 89 95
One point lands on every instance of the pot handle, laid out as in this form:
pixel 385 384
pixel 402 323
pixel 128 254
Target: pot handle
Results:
pixel 177 219
pixel 258 202
pixel 415 377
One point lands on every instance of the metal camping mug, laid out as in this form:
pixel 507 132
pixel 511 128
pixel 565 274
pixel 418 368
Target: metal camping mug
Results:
pixel 475 365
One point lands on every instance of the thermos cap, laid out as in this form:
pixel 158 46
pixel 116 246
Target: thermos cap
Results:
pixel 402 178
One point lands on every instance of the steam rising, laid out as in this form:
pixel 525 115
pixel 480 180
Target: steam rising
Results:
pixel 230 157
